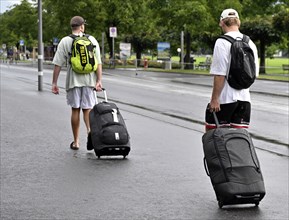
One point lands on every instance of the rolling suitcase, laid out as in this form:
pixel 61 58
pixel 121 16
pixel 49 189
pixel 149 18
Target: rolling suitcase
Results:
pixel 108 135
pixel 232 165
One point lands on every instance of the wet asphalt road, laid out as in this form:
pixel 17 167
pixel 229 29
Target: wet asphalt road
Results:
pixel 162 178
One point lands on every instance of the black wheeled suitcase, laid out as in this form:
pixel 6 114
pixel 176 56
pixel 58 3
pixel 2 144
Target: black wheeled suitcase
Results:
pixel 232 165
pixel 109 135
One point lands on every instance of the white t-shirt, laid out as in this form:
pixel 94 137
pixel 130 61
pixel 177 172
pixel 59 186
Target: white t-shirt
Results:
pixel 62 57
pixel 221 64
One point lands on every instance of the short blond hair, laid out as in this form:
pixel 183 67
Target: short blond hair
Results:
pixel 232 22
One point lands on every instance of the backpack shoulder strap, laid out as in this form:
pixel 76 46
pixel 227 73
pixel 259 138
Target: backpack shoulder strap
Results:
pixel 73 36
pixel 231 40
pixel 246 38
pixel 228 38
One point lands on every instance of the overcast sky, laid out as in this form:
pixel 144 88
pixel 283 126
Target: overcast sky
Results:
pixel 5 4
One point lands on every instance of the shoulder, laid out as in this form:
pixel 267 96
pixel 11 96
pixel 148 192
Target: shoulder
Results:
pixel 222 44
pixel 92 39
pixel 66 40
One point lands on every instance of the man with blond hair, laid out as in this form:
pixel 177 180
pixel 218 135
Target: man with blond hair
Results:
pixel 232 106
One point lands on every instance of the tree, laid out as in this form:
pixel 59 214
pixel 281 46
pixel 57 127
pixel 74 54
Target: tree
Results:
pixel 261 30
pixel 19 23
pixel 145 22
pixel 133 21
pixel 59 12
pixel 131 17
pixel 192 17
pixel 281 23
pixel 141 30
pixel 257 23
pixel 281 19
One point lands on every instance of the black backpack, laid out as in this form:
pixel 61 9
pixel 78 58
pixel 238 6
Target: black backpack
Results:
pixel 242 73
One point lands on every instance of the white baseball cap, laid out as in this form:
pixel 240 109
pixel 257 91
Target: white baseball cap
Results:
pixel 229 13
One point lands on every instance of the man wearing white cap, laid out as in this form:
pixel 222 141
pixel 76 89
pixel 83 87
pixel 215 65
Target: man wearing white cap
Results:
pixel 232 106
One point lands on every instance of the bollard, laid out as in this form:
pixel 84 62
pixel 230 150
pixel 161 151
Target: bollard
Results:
pixel 145 63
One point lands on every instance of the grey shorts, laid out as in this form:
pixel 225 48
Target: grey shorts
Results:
pixel 81 97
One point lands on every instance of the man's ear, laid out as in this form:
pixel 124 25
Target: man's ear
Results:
pixel 221 23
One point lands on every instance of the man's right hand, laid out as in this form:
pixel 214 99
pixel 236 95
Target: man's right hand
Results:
pixel 55 89
pixel 98 86
pixel 215 106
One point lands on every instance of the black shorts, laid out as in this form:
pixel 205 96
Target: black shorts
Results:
pixel 236 114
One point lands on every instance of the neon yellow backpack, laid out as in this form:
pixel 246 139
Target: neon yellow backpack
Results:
pixel 83 59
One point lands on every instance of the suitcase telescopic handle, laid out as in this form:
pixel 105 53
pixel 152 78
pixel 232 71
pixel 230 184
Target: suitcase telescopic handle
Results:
pixel 105 95
pixel 216 119
pixel 104 92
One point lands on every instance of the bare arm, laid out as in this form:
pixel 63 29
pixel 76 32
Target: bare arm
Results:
pixel 98 85
pixel 56 72
pixel 219 82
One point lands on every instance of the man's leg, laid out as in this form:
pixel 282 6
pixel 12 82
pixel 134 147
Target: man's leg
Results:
pixel 242 115
pixel 86 119
pixel 75 124
pixel 88 100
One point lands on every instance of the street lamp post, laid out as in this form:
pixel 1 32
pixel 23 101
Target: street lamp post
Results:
pixel 182 50
pixel 40 47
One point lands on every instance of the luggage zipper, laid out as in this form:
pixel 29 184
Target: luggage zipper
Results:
pixel 219 156
pixel 112 123
pixel 111 110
